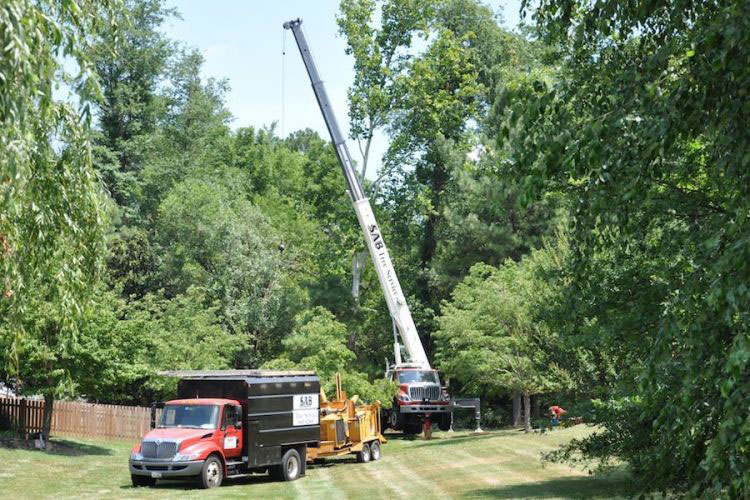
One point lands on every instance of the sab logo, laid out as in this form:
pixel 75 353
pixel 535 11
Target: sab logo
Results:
pixel 375 236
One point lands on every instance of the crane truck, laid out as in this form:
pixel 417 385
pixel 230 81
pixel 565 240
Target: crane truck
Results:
pixel 420 400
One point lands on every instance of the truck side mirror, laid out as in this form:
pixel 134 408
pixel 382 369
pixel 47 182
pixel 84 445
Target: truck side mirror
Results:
pixel 238 416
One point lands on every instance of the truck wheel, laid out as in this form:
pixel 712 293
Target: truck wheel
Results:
pixel 395 419
pixel 412 427
pixel 445 422
pixel 290 467
pixel 364 455
pixel 212 473
pixel 375 450
pixel 142 481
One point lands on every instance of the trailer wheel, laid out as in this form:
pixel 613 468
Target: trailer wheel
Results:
pixel 364 455
pixel 142 481
pixel 375 450
pixel 212 473
pixel 290 467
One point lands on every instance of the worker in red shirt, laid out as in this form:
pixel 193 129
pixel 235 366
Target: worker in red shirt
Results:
pixel 556 412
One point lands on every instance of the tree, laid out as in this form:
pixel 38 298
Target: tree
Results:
pixel 640 129
pixel 425 100
pixel 51 217
pixel 130 64
pixel 216 239
pixel 490 337
pixel 318 343
pixel 125 344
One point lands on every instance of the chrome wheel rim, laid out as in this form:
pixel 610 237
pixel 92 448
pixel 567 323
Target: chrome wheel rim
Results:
pixel 292 467
pixel 213 474
pixel 375 451
pixel 366 453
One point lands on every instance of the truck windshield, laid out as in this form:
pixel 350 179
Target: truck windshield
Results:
pixel 410 376
pixel 195 416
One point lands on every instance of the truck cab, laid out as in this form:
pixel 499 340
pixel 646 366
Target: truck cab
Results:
pixel 420 398
pixel 195 437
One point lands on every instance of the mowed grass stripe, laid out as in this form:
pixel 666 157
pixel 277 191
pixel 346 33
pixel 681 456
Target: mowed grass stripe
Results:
pixel 502 464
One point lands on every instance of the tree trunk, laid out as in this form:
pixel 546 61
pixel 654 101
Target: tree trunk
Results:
pixel 526 411
pixel 536 402
pixel 516 409
pixel 49 401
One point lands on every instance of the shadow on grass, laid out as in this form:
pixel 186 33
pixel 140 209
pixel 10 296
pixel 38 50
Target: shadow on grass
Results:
pixel 597 486
pixel 166 485
pixel 74 448
pixel 55 446
pixel 445 441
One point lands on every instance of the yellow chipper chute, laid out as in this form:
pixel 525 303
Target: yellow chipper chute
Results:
pixel 346 427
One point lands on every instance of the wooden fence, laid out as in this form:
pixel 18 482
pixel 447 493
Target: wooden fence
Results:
pixel 75 419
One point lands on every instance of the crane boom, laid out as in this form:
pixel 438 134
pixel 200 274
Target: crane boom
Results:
pixel 394 295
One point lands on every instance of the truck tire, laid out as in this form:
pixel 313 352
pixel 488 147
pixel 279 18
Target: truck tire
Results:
pixel 212 473
pixel 142 481
pixel 396 419
pixel 445 422
pixel 364 456
pixel 290 467
pixel 412 426
pixel 375 450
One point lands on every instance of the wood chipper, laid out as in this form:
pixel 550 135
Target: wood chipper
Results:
pixel 346 427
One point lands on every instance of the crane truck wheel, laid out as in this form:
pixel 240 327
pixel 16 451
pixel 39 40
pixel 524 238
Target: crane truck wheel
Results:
pixel 412 426
pixel 212 473
pixel 375 450
pixel 142 481
pixel 445 422
pixel 395 418
pixel 364 455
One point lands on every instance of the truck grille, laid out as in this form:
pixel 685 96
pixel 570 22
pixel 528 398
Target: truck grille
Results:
pixel 429 392
pixel 161 449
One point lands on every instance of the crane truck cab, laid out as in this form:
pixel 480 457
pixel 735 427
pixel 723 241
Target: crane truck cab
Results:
pixel 420 399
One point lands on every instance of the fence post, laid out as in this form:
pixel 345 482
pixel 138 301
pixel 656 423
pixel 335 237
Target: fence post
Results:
pixel 22 419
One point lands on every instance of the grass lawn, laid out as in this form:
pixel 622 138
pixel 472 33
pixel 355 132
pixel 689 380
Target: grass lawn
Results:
pixel 502 464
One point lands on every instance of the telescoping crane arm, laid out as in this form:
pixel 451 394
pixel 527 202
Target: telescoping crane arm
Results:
pixel 394 296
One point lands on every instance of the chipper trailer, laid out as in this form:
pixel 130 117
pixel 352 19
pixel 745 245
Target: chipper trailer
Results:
pixel 420 400
pixel 234 423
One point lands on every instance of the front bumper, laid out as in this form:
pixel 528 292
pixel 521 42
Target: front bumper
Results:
pixel 424 408
pixel 165 469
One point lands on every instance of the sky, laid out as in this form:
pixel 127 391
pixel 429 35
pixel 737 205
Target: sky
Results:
pixel 243 41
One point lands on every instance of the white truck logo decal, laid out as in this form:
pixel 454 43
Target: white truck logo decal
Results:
pixel 305 409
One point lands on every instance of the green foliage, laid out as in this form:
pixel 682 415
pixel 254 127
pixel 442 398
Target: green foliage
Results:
pixel 640 129
pixel 216 239
pixel 123 346
pixel 129 63
pixel 318 343
pixel 490 336
pixel 51 206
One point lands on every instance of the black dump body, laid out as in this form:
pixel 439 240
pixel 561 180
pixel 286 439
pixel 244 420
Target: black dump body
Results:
pixel 280 409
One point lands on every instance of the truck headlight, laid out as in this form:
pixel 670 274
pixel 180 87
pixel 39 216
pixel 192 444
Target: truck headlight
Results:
pixel 404 397
pixel 184 457
pixel 136 456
